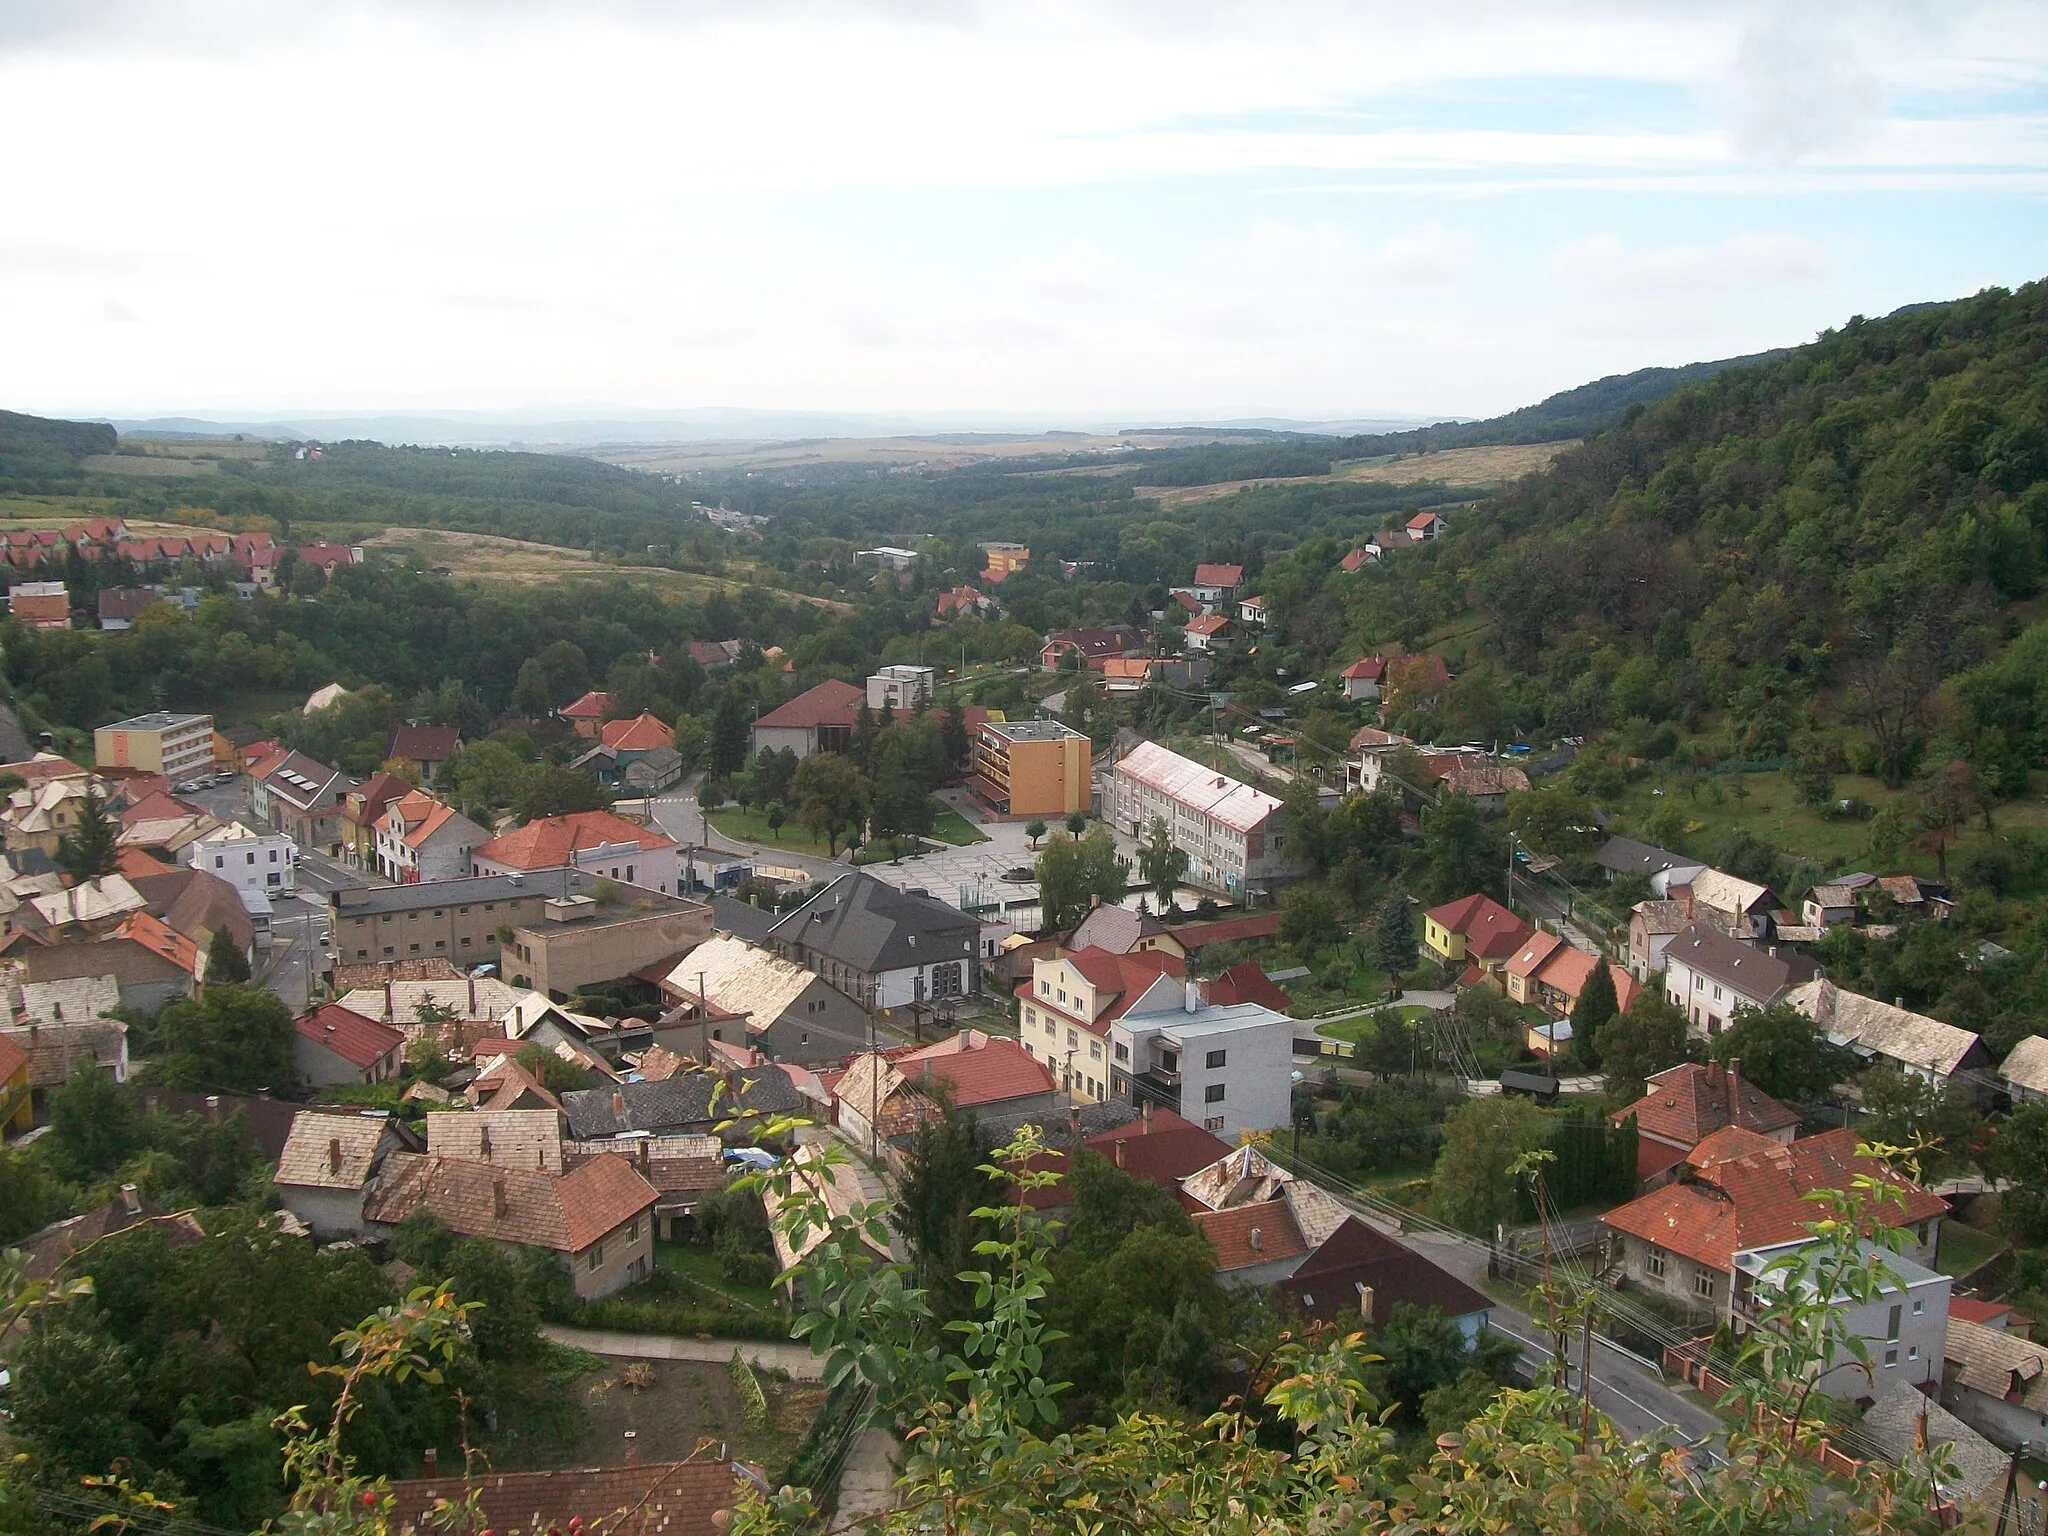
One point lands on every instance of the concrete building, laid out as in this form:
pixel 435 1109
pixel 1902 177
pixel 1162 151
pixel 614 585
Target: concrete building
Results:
pixel 890 557
pixel 900 687
pixel 455 920
pixel 1004 560
pixel 1066 1010
pixel 265 862
pixel 597 842
pixel 746 994
pixel 1032 768
pixel 1227 1068
pixel 1234 835
pixel 333 1044
pixel 882 947
pixel 176 746
pixel 579 941
pixel 421 840
pixel 1708 976
pixel 820 719
pixel 40 604
pixel 1904 1326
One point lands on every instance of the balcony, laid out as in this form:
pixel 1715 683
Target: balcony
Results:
pixel 1157 1086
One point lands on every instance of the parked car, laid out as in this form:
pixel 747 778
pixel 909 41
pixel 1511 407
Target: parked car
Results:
pixel 192 786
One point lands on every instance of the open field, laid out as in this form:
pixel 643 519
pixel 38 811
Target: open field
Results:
pixel 1476 467
pixel 495 561
pixel 942 450
pixel 160 458
pixel 148 466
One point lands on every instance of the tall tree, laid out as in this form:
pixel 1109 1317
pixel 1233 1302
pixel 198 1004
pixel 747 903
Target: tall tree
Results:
pixel 235 1038
pixel 729 733
pixel 1074 872
pixel 1462 852
pixel 1641 1042
pixel 225 961
pixel 1162 863
pixel 1393 934
pixel 1470 1187
pixel 1310 918
pixel 830 796
pixel 1785 1053
pixel 1596 1007
pixel 90 849
pixel 958 747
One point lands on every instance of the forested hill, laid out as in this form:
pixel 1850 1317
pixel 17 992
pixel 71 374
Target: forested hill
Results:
pixel 38 453
pixel 1836 552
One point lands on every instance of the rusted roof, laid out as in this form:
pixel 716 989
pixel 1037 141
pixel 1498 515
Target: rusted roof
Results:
pixel 1687 1103
pixel 356 1040
pixel 566 1212
pixel 830 703
pixel 1248 1235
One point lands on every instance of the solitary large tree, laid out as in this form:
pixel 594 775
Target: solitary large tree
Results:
pixel 89 850
pixel 1162 863
pixel 1393 934
pixel 1596 1006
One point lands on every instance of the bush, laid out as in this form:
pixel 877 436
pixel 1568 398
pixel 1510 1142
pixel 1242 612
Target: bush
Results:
pixel 743 1258
pixel 753 1401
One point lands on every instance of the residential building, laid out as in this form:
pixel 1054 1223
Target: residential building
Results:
pixel 1216 582
pixel 890 557
pixel 301 798
pixel 820 719
pixel 1738 907
pixel 1004 561
pixel 1032 768
pixel 198 904
pixel 56 1050
pixel 631 740
pixel 731 1104
pixel 1826 906
pixel 1228 1066
pixel 1708 976
pixel 1685 1104
pixel 580 941
pixel 749 995
pixel 683 1170
pixel 151 964
pixel 1209 632
pixel 1904 1325
pixel 47 1251
pixel 247 859
pixel 455 920
pixel 1262 1220
pixel 884 1098
pixel 362 812
pixel 514 1138
pixel 662 1498
pixel 422 840
pixel 1248 930
pixel 1663 869
pixel 333 1044
pixel 1741 1191
pixel 176 746
pixel 2025 1070
pixel 163 825
pixel 1369 553
pixel 1916 1045
pixel 40 815
pixel 1363 677
pixel 587 714
pixel 597 1219
pixel 120 607
pixel 598 842
pixel 1356 1278
pixel 1091 645
pixel 1121 931
pixel 1413 682
pixel 40 604
pixel 1067 1007
pixel 328 1163
pixel 1652 925
pixel 961 602
pixel 425 747
pixel 1252 610
pixel 1234 835
pixel 1133 674
pixel 882 947
pixel 900 687
pixel 1424 526
pixel 1473 930
pixel 1996 1382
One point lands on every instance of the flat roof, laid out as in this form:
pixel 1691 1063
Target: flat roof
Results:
pixel 547 884
pixel 1029 730
pixel 156 720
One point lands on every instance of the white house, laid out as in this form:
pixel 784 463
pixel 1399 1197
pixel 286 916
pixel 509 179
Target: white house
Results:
pixel 1708 976
pixel 1363 677
pixel 597 842
pixel 266 863
pixel 901 687
pixel 421 840
pixel 1904 1326
pixel 1425 525
pixel 1227 1068
pixel 1252 610
pixel 1234 835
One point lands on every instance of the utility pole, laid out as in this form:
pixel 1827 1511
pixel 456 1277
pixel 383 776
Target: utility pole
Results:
pixel 1586 1372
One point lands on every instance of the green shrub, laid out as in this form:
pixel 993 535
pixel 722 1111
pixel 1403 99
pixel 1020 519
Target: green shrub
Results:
pixel 753 1401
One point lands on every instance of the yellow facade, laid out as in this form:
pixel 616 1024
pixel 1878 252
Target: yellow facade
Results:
pixel 1444 944
pixel 1004 559
pixel 1037 767
pixel 161 742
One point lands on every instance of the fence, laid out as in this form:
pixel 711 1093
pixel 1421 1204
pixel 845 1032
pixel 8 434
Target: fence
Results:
pixel 1688 1362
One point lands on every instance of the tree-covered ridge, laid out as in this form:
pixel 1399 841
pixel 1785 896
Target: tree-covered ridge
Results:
pixel 37 453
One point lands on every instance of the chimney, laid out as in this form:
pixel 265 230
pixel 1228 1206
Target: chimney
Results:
pixel 1120 1145
pixel 1899 1003
pixel 1145 1117
pixel 1094 901
pixel 1365 1303
pixel 498 1198
pixel 483 1142
pixel 213 1108
pixel 334 1154
pixel 1074 1121
pixel 472 997
pixel 1257 1239
pixel 618 1102
pixel 387 1001
pixel 1734 1088
pixel 645 1156
pixel 1193 1001
pixel 131 1201
pixel 632 1447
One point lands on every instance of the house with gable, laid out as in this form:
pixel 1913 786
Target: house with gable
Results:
pixel 1217 582
pixel 1915 1044
pixel 1065 1011
pixel 328 1163
pixel 820 719
pixel 422 840
pixel 1363 677
pixel 301 798
pixel 885 948
pixel 425 747
pixel 1473 930
pixel 1660 867
pixel 885 1097
pixel 1709 976
pixel 729 989
pixel 1424 526
pixel 1684 1105
pixel 333 1044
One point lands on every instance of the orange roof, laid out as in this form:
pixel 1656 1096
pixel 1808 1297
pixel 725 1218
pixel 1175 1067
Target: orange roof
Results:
pixel 554 841
pixel 1422 519
pixel 1568 969
pixel 158 806
pixel 165 941
pixel 1208 624
pixel 590 707
pixel 356 1040
pixel 982 1070
pixel 1688 1103
pixel 830 703
pixel 13 1060
pixel 643 733
pixel 1209 575
pixel 1489 929
pixel 1245 1235
pixel 1367 667
pixel 25 605
pixel 1757 1199
pixel 1530 957
pixel 1626 988
pixel 130 863
pixel 1126 666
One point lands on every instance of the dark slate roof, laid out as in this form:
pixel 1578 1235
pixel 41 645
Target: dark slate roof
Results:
pixel 741 920
pixel 685 1099
pixel 868 925
pixel 1626 856
pixel 1056 1126
pixel 1326 1286
pixel 547 883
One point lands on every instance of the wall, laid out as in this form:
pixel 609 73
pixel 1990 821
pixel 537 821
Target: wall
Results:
pixel 627 1258
pixel 1049 778
pixel 321 1067
pixel 557 958
pixel 774 738
pixel 1078 1057
pixel 1256 1076
pixel 915 984
pixel 2004 1424
pixel 822 1025
pixel 266 863
pixel 331 1213
pixel 464 932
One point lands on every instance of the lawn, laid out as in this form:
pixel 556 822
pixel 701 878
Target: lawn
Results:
pixel 750 826
pixel 1355 1030
pixel 696 1267
pixel 1962 1249
pixel 949 826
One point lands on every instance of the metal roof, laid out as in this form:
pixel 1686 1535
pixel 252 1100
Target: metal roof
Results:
pixel 1238 806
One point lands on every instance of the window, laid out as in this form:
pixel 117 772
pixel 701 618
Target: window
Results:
pixel 1891 1326
pixel 1073 1041
pixel 1891 1358
pixel 273 855
pixel 1919 1306
pixel 220 861
pixel 633 1230
pixel 1703 1284
pixel 1215 1060
pixel 414 948
pixel 1653 1263
pixel 1123 1052
pixel 1913 1352
pixel 597 1256
pixel 1095 1050
pixel 248 858
pixel 1213 1123
pixel 1213 1094
pixel 1045 989
pixel 1030 1015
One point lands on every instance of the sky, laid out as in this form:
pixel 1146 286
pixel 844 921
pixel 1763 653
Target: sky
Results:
pixel 1159 208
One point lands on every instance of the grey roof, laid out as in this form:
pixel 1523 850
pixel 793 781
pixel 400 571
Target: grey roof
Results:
pixel 741 920
pixel 1030 730
pixel 1056 1126
pixel 1893 1426
pixel 548 883
pixel 863 923
pixel 685 1099
pixel 156 720
pixel 1626 856
pixel 1748 969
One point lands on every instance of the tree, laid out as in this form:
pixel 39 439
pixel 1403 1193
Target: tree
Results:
pixel 861 748
pixel 1785 1053
pixel 1310 918
pixel 1812 774
pixel 234 1038
pixel 1077 823
pixel 1421 1351
pixel 1909 1111
pixel 91 849
pixel 1461 852
pixel 224 958
pixel 481 777
pixel 95 1126
pixel 954 735
pixel 776 816
pixel 1161 862
pixel 1075 873
pixel 944 1184
pixel 1393 934
pixel 1597 1005
pixel 1035 829
pixel 728 733
pixel 1555 819
pixel 830 796
pixel 2019 1153
pixel 1639 1043
pixel 544 790
pixel 901 806
pixel 1470 1187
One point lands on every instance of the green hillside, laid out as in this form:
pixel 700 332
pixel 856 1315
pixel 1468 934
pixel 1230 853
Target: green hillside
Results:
pixel 38 454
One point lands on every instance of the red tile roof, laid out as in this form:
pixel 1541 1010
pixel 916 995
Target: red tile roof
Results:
pixel 1245 1235
pixel 553 841
pixel 133 863
pixel 676 1498
pixel 1531 957
pixel 1418 674
pixel 156 937
pixel 830 703
pixel 1367 668
pixel 1163 1152
pixel 1208 624
pixel 1985 1314
pixel 590 707
pixel 1568 970
pixel 1226 930
pixel 54 609
pixel 566 1212
pixel 1422 519
pixel 1687 1103
pixel 1247 982
pixel 13 1059
pixel 376 792
pixel 982 1070
pixel 424 743
pixel 642 733
pixel 1757 1199
pixel 1357 560
pixel 356 1040
pixel 1490 930
pixel 1213 575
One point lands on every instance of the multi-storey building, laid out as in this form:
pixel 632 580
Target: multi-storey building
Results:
pixel 267 862
pixel 175 746
pixel 1031 768
pixel 901 687
pixel 1234 835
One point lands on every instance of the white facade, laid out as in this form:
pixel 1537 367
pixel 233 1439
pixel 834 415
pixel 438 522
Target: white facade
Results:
pixel 1708 1004
pixel 266 863
pixel 1227 1069
pixel 656 869
pixel 1904 1327
pixel 900 687
pixel 1232 833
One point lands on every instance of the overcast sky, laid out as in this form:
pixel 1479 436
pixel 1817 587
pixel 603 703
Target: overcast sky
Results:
pixel 1185 206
